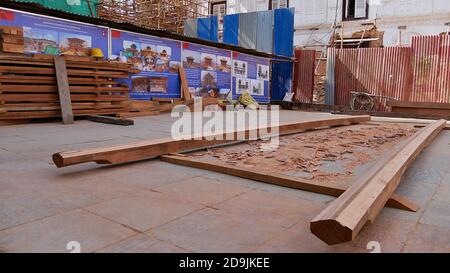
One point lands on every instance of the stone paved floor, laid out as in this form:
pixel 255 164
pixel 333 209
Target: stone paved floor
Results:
pixel 153 206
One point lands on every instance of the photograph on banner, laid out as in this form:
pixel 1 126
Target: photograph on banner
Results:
pixel 48 35
pixel 263 72
pixel 157 58
pixel 208 70
pixel 251 74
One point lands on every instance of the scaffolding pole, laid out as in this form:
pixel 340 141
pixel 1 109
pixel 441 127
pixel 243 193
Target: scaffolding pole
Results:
pixel 157 14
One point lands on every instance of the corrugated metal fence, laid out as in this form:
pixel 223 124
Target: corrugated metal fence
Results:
pixel 431 69
pixel 303 85
pixel 420 73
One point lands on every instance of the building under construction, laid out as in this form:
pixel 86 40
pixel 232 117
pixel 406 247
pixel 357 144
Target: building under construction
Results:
pixel 159 14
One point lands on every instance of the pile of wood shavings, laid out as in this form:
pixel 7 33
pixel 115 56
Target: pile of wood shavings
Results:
pixel 349 146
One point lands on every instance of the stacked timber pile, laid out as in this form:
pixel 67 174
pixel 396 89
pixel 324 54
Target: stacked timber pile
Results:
pixel 141 108
pixel 29 89
pixel 433 110
pixel 11 39
pixel 166 105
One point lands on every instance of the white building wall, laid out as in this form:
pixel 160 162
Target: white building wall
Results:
pixel 314 18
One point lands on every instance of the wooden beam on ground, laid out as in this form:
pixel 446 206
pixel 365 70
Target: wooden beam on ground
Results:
pixel 153 148
pixel 138 114
pixel 422 126
pixel 342 219
pixel 398 114
pixel 184 84
pixel 110 120
pixel 333 189
pixel 63 90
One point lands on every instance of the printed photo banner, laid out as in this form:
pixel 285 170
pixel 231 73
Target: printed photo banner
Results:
pixel 251 73
pixel 157 58
pixel 208 70
pixel 49 35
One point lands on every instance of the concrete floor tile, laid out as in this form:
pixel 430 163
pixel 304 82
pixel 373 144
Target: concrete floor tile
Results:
pixel 428 238
pixel 298 239
pixel 6 157
pixel 402 214
pixel 437 213
pixel 202 190
pixel 142 243
pixel 144 210
pixel 417 174
pixel 53 233
pixel 234 180
pixel 33 190
pixel 419 193
pixel 446 179
pixel 45 201
pixel 270 188
pixel 442 193
pixel 147 174
pixel 261 205
pixel 212 230
pixel 391 241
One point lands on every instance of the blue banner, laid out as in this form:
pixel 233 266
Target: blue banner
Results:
pixel 208 70
pixel 251 73
pixel 157 58
pixel 54 36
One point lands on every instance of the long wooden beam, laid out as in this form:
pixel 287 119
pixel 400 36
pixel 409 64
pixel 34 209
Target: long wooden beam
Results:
pixel 343 218
pixel 333 189
pixel 63 90
pixel 110 120
pixel 152 148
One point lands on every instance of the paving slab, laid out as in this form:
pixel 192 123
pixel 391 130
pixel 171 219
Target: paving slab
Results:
pixel 428 238
pixel 437 213
pixel 212 230
pixel 52 234
pixel 299 239
pixel 443 192
pixel 142 243
pixel 48 200
pixel 154 206
pixel 269 187
pixel 202 190
pixel 268 206
pixel 144 210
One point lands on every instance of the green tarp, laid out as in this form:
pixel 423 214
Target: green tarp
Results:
pixel 80 7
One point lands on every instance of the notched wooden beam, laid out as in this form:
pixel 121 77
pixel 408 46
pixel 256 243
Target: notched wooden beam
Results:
pixel 333 189
pixel 154 148
pixel 343 219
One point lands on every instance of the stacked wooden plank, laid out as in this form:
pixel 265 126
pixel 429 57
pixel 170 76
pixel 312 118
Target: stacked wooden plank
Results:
pixel 28 87
pixel 141 108
pixel 432 110
pixel 11 39
pixel 165 105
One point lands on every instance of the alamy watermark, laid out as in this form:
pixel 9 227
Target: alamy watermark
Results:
pixel 234 124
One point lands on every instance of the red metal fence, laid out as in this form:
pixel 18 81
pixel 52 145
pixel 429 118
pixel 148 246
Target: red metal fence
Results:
pixel 420 73
pixel 303 85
